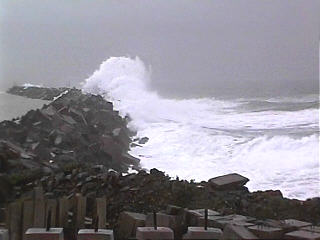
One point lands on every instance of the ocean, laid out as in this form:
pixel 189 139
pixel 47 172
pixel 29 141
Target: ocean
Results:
pixel 272 141
pixel 12 106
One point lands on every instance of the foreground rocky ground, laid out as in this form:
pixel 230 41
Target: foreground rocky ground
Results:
pixel 79 144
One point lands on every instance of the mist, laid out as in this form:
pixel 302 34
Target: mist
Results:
pixel 194 48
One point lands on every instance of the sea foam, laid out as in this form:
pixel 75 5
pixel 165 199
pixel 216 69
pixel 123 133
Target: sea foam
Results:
pixel 203 138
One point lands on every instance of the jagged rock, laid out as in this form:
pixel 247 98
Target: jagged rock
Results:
pixel 127 158
pixel 122 137
pixel 143 140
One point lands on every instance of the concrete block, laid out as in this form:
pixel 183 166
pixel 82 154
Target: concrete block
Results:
pixel 296 223
pixel 212 221
pixel 201 212
pixel 144 233
pixel 229 181
pixel 237 232
pixel 42 234
pixel 81 210
pixel 2 215
pixel 52 206
pixel 163 220
pixel 301 234
pixel 90 234
pixel 277 224
pixel 311 229
pixel 63 212
pixel 266 232
pixel 192 217
pixel 4 234
pixel 101 212
pixel 27 221
pixel 128 223
pixel 201 233
pixel 170 221
pixel 222 221
pixel 173 210
pixel 15 218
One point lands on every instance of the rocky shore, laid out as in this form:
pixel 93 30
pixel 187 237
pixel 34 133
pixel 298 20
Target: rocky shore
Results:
pixel 79 144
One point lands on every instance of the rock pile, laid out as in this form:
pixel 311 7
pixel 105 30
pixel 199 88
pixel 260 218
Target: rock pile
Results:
pixel 75 129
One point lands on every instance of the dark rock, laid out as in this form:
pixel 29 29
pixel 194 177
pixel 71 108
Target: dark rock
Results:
pixel 122 137
pixel 127 158
pixel 156 172
pixel 143 140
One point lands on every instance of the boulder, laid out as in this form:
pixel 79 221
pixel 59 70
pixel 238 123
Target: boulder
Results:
pixel 228 182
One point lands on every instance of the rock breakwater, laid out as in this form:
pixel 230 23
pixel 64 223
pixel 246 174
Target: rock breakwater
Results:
pixel 79 144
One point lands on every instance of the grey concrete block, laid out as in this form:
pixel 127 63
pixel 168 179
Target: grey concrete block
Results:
pixel 229 181
pixel 237 232
pixel 90 234
pixel 144 233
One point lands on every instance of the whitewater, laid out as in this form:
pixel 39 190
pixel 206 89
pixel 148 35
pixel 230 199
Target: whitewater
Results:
pixel 274 142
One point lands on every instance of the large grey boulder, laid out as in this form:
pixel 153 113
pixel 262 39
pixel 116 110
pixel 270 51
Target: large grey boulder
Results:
pixel 228 182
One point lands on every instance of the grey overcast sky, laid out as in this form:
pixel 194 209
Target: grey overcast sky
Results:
pixel 195 48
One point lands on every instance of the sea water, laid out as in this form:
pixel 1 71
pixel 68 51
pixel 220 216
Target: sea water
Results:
pixel 12 106
pixel 272 141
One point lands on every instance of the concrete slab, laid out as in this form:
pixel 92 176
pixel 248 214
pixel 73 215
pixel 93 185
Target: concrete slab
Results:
pixel 4 234
pixel 229 181
pixel 296 223
pixel 237 232
pixel 144 233
pixel 42 234
pixel 212 221
pixel 301 234
pixel 90 234
pixel 311 229
pixel 201 233
pixel 222 221
pixel 266 232
pixel 200 212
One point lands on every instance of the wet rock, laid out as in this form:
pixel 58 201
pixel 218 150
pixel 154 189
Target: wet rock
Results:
pixel 122 137
pixel 127 158
pixel 143 140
